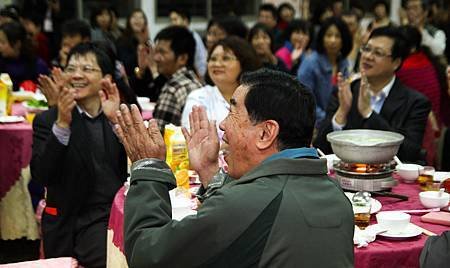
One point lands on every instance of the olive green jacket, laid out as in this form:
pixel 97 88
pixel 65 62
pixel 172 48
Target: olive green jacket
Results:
pixel 283 213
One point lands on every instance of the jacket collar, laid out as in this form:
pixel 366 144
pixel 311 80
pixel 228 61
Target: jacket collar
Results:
pixel 298 166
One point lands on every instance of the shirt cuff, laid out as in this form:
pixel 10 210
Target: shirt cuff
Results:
pixel 336 126
pixel 62 134
pixel 215 184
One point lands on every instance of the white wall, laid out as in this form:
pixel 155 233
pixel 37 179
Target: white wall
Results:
pixel 149 7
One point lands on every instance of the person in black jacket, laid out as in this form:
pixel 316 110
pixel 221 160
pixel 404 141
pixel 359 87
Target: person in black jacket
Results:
pixel 78 158
pixel 378 100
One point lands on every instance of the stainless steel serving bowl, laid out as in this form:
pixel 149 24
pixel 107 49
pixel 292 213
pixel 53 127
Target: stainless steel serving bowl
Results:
pixel 365 145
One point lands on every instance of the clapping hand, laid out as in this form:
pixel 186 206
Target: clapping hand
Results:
pixel 203 144
pixel 110 99
pixel 52 86
pixel 345 99
pixel 66 103
pixel 296 53
pixel 139 142
pixel 364 107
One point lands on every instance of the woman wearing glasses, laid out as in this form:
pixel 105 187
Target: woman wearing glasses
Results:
pixel 229 58
pixel 319 69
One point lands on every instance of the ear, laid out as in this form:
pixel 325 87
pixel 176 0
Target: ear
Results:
pixel 182 59
pixel 397 63
pixel 267 134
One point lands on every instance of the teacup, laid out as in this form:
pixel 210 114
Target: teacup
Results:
pixel 433 199
pixel 393 221
pixel 409 172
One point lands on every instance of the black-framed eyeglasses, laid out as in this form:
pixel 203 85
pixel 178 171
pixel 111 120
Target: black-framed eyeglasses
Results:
pixel 374 51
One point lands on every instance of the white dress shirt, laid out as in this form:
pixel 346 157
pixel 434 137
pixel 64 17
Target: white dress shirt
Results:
pixel 210 97
pixel 376 103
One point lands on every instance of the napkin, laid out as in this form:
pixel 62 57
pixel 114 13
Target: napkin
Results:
pixel 362 238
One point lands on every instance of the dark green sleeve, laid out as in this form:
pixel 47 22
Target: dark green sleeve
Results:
pixel 153 239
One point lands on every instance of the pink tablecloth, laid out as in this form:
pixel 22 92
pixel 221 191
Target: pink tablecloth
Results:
pixel 15 153
pixel 404 253
pixel 64 262
pixel 380 253
pixel 116 218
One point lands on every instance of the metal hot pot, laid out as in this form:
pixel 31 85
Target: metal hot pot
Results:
pixel 365 145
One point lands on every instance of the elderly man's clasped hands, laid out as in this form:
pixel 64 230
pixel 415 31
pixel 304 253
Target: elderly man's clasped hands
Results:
pixel 147 142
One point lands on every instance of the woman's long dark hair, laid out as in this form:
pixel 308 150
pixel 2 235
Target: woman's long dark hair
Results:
pixel 128 38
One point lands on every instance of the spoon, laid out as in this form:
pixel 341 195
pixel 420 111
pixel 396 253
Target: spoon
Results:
pixel 397 160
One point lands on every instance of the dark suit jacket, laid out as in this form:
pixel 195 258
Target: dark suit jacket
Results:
pixel 68 174
pixel 404 111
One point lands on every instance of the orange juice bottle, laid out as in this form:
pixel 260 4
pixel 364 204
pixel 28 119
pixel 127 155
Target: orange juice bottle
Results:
pixel 5 92
pixel 177 155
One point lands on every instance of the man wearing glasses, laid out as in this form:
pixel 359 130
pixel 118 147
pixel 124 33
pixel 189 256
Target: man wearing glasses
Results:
pixel 79 159
pixel 378 100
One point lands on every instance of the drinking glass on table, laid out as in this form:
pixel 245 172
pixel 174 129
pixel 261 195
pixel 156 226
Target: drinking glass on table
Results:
pixel 426 177
pixel 30 117
pixel 361 202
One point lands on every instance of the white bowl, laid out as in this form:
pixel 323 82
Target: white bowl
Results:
pixel 432 199
pixel 409 172
pixel 393 221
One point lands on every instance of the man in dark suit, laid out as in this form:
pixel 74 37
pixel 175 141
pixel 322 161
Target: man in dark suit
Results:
pixel 78 158
pixel 378 100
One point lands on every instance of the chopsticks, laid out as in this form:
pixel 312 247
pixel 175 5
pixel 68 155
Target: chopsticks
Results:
pixel 424 231
pixel 388 194
pixel 320 152
pixel 418 211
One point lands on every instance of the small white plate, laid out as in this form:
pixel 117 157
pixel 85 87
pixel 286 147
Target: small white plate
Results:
pixel 409 232
pixel 11 119
pixel 375 204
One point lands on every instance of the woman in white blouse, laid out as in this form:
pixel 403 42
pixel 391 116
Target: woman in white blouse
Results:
pixel 229 58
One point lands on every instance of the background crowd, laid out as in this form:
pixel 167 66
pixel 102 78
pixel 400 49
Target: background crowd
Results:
pixel 332 53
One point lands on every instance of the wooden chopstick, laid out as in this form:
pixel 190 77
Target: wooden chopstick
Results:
pixel 424 231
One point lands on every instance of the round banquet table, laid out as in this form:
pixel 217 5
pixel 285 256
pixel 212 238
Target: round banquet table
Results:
pixel 115 257
pixel 397 253
pixel 379 253
pixel 16 213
